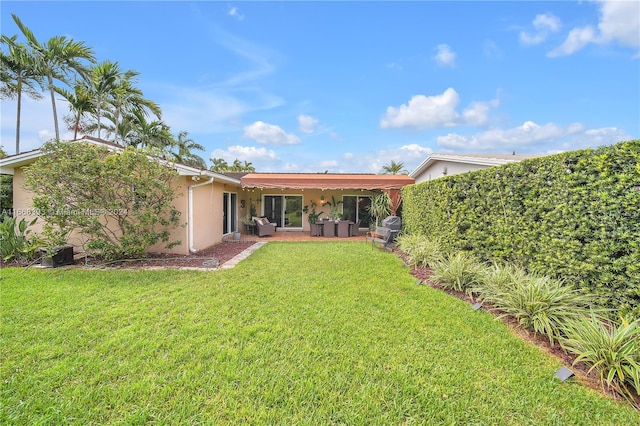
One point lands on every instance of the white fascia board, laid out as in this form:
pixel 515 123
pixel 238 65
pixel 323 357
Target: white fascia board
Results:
pixel 482 161
pixel 9 164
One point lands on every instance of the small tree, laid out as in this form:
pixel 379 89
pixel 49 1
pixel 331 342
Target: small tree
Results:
pixel 122 201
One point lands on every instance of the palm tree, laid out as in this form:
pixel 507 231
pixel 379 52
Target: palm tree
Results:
pixel 147 134
pixel 57 58
pixel 80 103
pixel 185 145
pixel 19 74
pixel 101 83
pixel 394 168
pixel 126 98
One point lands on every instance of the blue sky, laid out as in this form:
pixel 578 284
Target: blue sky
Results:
pixel 350 86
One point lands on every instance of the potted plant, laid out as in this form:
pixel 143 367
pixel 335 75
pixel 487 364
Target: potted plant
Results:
pixel 380 207
pixel 334 213
pixel 313 217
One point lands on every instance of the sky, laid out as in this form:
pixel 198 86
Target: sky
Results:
pixel 348 87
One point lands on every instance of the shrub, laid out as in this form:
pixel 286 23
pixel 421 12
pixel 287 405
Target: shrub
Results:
pixel 537 302
pixel 15 240
pixel 420 250
pixel 498 279
pixel 573 215
pixel 613 350
pixel 459 272
pixel 121 201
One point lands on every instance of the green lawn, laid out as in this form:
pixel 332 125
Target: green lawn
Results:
pixel 299 333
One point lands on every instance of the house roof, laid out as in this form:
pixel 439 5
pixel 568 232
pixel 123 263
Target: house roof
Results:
pixel 10 163
pixel 325 181
pixel 477 159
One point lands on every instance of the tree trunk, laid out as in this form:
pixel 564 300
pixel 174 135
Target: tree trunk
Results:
pixel 19 109
pixel 53 106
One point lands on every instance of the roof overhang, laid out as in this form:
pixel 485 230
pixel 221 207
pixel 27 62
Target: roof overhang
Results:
pixel 325 181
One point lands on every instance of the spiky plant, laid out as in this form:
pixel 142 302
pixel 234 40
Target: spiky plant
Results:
pixel 420 250
pixel 459 272
pixel 612 350
pixel 539 303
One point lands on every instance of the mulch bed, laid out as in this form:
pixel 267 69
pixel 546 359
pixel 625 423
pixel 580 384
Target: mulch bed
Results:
pixel 580 369
pixel 206 259
pixel 209 258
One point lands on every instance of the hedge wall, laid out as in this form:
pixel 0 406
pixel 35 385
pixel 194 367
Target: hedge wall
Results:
pixel 574 216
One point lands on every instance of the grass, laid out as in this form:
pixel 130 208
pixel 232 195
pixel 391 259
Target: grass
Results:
pixel 298 333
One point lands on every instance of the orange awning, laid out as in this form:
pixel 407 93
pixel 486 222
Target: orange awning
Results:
pixel 325 181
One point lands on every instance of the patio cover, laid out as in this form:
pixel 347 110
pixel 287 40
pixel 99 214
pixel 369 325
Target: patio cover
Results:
pixel 325 181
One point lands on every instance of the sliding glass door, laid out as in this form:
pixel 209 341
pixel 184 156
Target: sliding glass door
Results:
pixel 356 208
pixel 229 212
pixel 284 210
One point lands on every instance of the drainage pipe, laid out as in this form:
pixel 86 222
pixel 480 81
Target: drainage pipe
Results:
pixel 192 249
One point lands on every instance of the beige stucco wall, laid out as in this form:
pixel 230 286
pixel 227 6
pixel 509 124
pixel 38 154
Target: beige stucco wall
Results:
pixel 207 213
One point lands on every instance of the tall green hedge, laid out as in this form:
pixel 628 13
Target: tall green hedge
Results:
pixel 574 216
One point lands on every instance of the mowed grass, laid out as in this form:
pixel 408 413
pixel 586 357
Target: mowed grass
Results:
pixel 298 333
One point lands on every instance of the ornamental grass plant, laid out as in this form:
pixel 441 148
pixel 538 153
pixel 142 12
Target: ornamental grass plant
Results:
pixel 459 271
pixel 611 349
pixel 421 250
pixel 539 303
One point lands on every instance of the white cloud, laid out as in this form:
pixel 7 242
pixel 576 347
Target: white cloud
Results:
pixel 246 153
pixel 414 151
pixel 445 56
pixel 269 134
pixel 424 112
pixel 307 123
pixel 619 22
pixel 235 12
pixel 576 40
pixel 510 139
pixel 544 25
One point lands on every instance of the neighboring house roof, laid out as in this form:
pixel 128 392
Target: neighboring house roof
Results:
pixel 10 163
pixel 235 175
pixel 476 159
pixel 325 181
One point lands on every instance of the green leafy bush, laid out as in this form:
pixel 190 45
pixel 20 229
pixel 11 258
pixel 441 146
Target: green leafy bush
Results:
pixel 121 201
pixel 459 272
pixel 573 216
pixel 613 350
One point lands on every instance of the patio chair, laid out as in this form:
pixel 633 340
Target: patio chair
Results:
pixel 355 229
pixel 343 229
pixel 329 228
pixel 264 227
